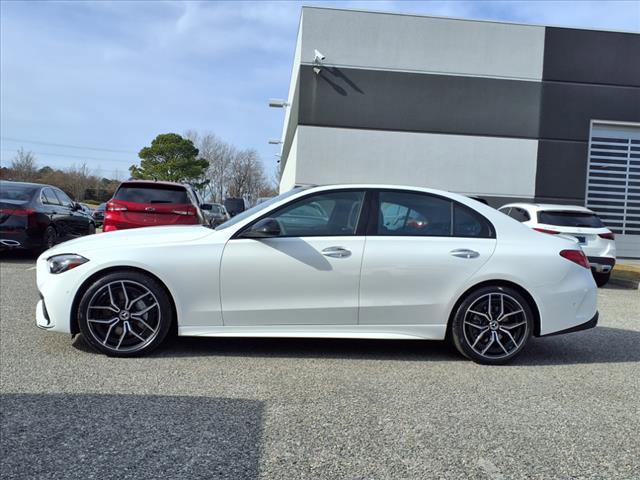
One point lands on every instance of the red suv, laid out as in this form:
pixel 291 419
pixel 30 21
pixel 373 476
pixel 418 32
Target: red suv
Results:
pixel 140 203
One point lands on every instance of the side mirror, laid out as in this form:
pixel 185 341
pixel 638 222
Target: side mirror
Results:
pixel 76 206
pixel 206 206
pixel 265 228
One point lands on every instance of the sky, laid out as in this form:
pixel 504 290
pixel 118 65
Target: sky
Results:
pixel 97 81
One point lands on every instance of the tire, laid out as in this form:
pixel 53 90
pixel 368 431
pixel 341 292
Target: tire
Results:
pixel 114 328
pixel 492 336
pixel 92 228
pixel 601 278
pixel 50 238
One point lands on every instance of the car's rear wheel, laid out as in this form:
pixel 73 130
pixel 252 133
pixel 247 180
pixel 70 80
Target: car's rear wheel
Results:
pixel 92 228
pixel 125 314
pixel 492 325
pixel 601 278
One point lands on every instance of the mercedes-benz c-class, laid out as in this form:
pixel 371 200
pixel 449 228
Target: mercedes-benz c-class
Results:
pixel 346 261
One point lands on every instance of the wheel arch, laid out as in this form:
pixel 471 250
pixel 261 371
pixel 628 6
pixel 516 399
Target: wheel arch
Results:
pixel 73 320
pixel 501 283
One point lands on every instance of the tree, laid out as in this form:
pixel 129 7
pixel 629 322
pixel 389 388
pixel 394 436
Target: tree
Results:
pixel 24 166
pixel 170 157
pixel 247 178
pixel 219 154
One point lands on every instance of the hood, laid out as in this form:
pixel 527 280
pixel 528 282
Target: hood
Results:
pixel 132 237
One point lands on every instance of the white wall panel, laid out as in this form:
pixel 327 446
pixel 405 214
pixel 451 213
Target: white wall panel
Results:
pixel 467 164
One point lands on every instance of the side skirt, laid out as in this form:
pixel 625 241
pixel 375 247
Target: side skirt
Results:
pixel 383 332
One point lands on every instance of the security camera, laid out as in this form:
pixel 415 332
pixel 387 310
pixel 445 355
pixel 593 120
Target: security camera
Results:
pixel 318 57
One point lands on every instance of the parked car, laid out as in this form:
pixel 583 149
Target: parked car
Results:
pixel 143 203
pixel 36 216
pixel 235 206
pixel 596 240
pixel 98 214
pixel 450 268
pixel 217 214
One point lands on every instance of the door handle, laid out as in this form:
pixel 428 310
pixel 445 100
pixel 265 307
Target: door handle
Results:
pixel 336 252
pixel 464 253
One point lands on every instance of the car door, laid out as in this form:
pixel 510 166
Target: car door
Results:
pixel 308 275
pixel 55 211
pixel 419 252
pixel 77 223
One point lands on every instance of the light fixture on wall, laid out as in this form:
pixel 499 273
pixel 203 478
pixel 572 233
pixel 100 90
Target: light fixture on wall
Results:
pixel 275 141
pixel 278 103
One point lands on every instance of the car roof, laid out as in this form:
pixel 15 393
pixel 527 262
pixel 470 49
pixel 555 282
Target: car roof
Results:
pixel 549 207
pixel 28 184
pixel 153 182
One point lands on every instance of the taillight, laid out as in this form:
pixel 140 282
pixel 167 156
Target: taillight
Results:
pixel 116 207
pixel 185 211
pixel 20 212
pixel 607 236
pixel 576 256
pixel 544 230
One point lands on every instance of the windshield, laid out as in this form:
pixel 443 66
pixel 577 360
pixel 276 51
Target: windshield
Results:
pixel 257 208
pixel 570 219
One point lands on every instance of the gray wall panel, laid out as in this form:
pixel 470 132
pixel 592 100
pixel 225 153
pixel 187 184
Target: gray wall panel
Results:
pixel 383 100
pixel 568 108
pixel 561 170
pixel 591 56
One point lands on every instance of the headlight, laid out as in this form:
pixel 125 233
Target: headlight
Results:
pixel 64 262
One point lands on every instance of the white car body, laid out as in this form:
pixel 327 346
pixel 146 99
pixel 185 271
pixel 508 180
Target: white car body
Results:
pixel 600 251
pixel 390 287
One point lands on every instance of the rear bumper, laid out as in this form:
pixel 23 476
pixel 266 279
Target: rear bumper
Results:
pixel 601 264
pixel 583 326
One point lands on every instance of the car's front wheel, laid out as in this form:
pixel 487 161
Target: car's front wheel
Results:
pixel 125 313
pixel 492 325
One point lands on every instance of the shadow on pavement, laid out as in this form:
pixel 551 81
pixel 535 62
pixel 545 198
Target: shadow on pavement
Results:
pixel 18 256
pixel 129 436
pixel 599 345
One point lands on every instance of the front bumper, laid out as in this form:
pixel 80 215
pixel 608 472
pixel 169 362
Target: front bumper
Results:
pixel 601 264
pixel 583 326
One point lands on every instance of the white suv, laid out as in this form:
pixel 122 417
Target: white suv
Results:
pixel 596 240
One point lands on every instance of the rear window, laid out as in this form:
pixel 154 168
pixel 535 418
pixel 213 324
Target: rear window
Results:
pixel 20 193
pixel 152 194
pixel 570 219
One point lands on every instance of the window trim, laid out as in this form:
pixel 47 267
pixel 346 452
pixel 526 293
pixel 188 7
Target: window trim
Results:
pixel 372 229
pixel 360 226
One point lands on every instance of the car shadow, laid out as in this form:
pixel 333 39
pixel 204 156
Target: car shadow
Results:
pixel 79 436
pixel 599 345
pixel 18 257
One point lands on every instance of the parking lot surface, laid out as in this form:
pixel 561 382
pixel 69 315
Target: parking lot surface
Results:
pixel 567 408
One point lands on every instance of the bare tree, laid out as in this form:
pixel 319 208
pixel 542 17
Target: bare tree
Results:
pixel 247 177
pixel 24 166
pixel 219 154
pixel 79 178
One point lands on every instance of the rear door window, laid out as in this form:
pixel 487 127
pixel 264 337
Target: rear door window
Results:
pixel 413 214
pixel 49 197
pixel 520 214
pixel 570 219
pixel 167 194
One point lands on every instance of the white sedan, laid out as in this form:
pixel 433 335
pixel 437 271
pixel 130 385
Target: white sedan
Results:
pixel 348 261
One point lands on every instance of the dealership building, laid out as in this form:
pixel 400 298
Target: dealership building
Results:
pixel 495 110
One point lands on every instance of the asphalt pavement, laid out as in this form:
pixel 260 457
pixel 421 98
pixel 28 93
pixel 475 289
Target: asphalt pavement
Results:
pixel 568 408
